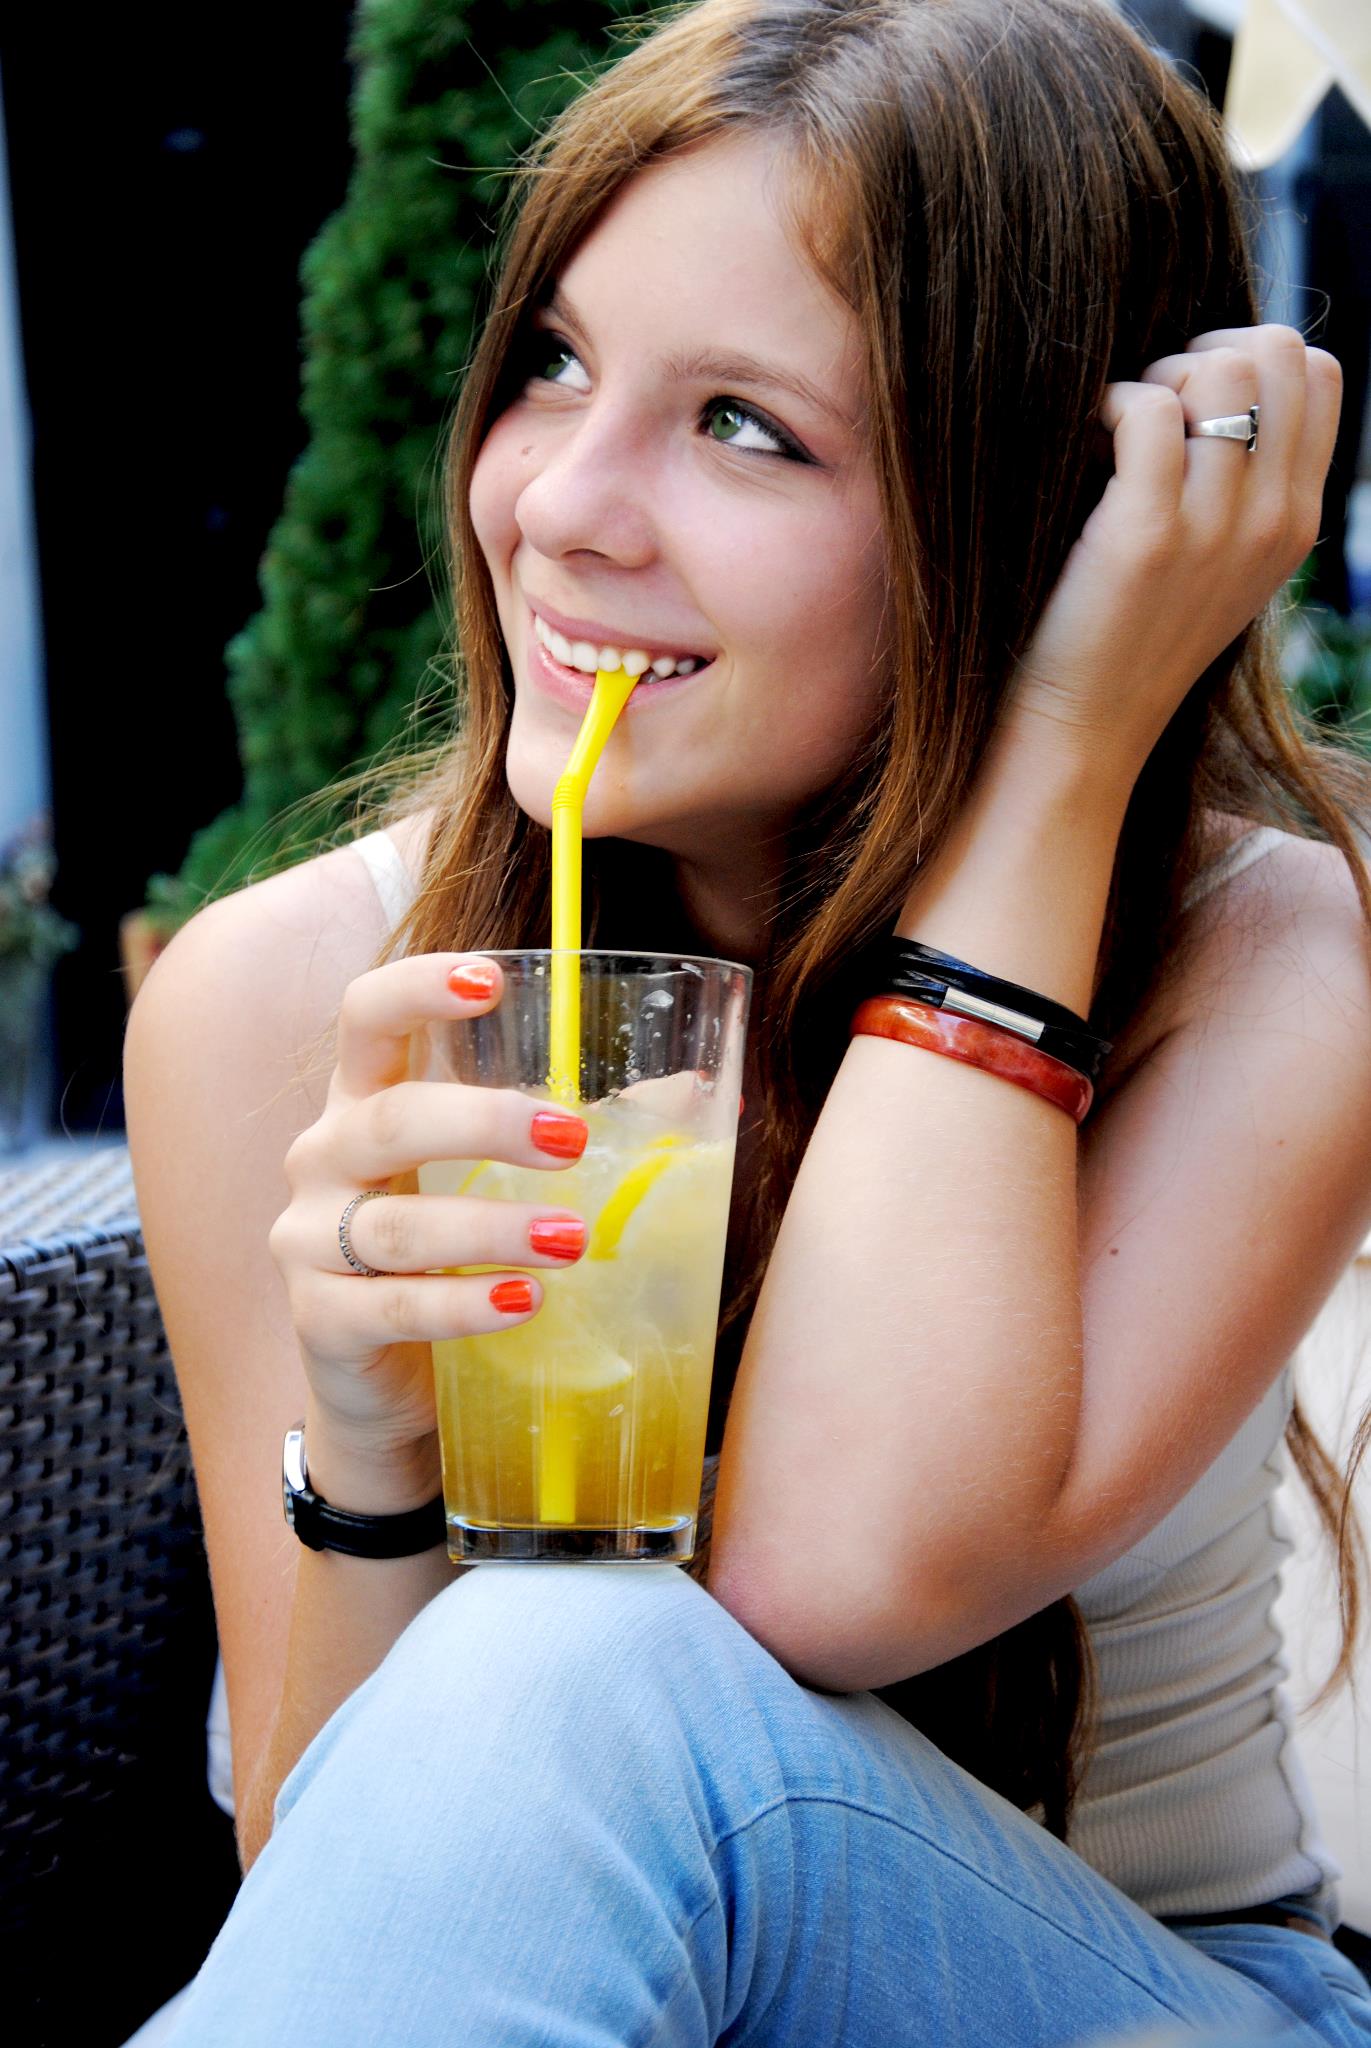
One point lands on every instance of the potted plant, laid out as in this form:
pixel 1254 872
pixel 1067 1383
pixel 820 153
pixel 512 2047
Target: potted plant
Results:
pixel 32 938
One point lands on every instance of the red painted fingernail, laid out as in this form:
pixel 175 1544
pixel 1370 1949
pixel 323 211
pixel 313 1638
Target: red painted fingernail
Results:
pixel 512 1297
pixel 559 1237
pixel 473 983
pixel 564 1136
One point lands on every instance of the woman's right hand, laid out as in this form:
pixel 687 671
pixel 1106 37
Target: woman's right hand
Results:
pixel 365 1341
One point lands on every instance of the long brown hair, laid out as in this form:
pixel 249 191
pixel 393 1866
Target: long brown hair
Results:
pixel 1014 197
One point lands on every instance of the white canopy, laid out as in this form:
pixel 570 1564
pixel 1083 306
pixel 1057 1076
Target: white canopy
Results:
pixel 1286 54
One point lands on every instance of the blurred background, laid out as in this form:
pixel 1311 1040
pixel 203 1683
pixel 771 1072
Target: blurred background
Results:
pixel 240 258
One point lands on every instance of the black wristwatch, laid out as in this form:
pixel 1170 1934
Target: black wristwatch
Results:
pixel 322 1527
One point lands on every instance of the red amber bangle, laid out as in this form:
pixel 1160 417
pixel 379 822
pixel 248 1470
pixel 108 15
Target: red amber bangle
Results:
pixel 979 1045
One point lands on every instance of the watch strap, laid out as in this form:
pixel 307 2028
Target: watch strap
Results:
pixel 321 1526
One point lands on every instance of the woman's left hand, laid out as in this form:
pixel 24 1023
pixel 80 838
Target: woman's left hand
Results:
pixel 1189 541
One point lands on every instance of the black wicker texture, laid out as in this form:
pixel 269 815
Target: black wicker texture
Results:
pixel 113 1857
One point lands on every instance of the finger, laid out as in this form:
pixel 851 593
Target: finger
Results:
pixel 339 1321
pixel 1254 340
pixel 405 1126
pixel 383 1008
pixel 1149 456
pixel 416 1234
pixel 1218 478
pixel 1281 361
pixel 1301 402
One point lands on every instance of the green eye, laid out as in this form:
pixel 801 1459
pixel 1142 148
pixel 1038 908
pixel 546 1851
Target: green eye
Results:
pixel 543 351
pixel 744 417
pixel 729 412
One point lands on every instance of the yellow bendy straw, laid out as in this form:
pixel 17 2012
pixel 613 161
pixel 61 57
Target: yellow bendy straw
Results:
pixel 612 691
pixel 613 688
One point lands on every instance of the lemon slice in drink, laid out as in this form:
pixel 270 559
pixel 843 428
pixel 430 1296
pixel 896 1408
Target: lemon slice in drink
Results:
pixel 609 1224
pixel 677 1196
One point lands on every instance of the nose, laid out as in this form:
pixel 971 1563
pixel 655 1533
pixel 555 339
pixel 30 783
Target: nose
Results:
pixel 591 490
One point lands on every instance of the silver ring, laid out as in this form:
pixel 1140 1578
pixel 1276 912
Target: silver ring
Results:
pixel 372 1272
pixel 1231 426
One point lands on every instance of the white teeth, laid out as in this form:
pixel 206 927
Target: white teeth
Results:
pixel 634 661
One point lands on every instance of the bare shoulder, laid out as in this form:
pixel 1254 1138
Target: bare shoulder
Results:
pixel 284 949
pixel 1292 903
pixel 1293 909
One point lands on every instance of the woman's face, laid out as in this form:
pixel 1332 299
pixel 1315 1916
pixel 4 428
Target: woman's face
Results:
pixel 660 503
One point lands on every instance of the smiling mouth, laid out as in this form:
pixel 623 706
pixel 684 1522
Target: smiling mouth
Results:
pixel 576 688
pixel 584 658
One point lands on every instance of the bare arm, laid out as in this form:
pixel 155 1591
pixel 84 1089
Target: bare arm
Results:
pixel 213 1100
pixel 242 1172
pixel 908 1397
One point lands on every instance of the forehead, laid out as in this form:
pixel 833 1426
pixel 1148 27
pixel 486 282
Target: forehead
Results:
pixel 700 248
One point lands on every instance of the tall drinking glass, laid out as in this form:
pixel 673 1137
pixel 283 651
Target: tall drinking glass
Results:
pixel 580 1434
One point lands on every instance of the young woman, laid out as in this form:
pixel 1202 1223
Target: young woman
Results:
pixel 876 363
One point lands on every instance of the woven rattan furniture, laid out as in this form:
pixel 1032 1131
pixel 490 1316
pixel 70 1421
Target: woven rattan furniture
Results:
pixel 116 1868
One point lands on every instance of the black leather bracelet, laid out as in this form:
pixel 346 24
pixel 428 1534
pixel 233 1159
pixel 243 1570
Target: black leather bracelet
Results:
pixel 903 967
pixel 322 1527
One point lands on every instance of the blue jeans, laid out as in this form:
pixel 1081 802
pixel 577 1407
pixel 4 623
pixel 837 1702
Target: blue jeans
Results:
pixel 579 1806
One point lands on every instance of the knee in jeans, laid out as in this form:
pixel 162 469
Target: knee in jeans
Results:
pixel 576 1649
pixel 579 1622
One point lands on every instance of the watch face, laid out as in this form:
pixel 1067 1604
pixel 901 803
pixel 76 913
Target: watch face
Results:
pixel 294 1479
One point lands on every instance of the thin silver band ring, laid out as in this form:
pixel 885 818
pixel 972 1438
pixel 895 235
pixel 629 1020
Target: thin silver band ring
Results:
pixel 1230 426
pixel 367 1195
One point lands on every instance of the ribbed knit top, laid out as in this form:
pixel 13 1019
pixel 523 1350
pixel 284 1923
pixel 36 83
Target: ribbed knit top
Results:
pixel 1195 1800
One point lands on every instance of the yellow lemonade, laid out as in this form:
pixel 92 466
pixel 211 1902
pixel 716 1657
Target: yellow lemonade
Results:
pixel 589 1419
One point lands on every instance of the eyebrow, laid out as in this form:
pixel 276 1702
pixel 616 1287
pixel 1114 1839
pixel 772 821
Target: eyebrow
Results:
pixel 715 366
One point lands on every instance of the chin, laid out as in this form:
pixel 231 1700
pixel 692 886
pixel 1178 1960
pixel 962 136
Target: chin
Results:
pixel 531 784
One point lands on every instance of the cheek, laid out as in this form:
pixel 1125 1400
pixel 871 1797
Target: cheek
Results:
pixel 861 599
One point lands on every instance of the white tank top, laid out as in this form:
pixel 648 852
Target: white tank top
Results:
pixel 1196 1800
pixel 393 880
